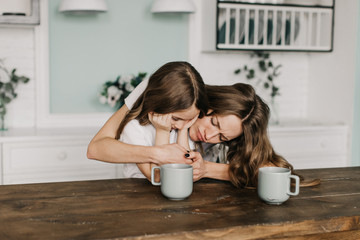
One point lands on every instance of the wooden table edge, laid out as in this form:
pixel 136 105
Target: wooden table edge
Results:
pixel 291 230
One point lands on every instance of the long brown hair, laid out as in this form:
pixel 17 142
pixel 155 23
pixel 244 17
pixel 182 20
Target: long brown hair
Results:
pixel 173 87
pixel 252 149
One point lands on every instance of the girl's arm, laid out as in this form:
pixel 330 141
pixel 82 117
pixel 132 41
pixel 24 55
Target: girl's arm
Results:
pixel 162 124
pixel 183 138
pixel 105 147
pixel 183 134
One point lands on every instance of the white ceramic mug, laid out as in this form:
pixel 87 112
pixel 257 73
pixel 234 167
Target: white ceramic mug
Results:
pixel 176 180
pixel 274 184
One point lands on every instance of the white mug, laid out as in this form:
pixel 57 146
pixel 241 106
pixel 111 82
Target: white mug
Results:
pixel 274 185
pixel 176 180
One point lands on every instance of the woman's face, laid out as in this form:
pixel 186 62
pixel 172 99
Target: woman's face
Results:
pixel 216 128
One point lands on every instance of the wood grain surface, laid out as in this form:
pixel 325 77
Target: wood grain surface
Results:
pixel 134 209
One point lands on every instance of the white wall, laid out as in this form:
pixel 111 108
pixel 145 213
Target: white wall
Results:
pixel 17 51
pixel 315 86
pixel 332 76
pixel 218 68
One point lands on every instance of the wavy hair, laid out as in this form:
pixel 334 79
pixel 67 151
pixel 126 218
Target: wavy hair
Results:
pixel 173 87
pixel 252 149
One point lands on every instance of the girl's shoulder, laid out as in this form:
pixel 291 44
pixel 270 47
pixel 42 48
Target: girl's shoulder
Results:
pixel 134 133
pixel 134 125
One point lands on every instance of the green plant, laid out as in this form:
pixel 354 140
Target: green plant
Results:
pixel 9 80
pixel 115 92
pixel 268 72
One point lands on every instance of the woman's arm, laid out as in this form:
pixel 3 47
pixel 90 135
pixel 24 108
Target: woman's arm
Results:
pixel 105 147
pixel 205 169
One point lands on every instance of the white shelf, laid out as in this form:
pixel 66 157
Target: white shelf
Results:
pixel 29 19
pixel 44 134
pixel 254 26
pixel 30 155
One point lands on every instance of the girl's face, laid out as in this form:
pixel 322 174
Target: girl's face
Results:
pixel 216 128
pixel 180 118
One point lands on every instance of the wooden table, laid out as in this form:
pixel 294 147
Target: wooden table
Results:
pixel 133 208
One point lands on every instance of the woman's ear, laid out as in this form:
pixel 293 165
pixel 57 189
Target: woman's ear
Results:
pixel 209 112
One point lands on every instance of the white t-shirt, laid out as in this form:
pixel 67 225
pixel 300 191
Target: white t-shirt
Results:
pixel 136 134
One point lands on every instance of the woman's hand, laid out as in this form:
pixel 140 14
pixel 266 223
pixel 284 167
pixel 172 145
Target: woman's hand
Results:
pixel 207 169
pixel 160 121
pixel 198 164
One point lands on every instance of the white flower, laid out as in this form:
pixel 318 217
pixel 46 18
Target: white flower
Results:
pixel 113 91
pixel 102 99
pixel 113 95
pixel 129 87
pixel 125 79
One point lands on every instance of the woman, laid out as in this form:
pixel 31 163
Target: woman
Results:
pixel 237 118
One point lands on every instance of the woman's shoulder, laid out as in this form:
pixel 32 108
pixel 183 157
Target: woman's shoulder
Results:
pixel 135 94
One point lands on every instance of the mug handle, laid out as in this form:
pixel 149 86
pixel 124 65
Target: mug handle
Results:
pixel 152 176
pixel 297 185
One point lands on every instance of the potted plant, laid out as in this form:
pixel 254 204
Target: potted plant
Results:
pixel 264 74
pixel 9 81
pixel 115 92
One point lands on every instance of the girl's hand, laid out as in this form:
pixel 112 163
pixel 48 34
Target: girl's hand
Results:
pixel 160 121
pixel 190 122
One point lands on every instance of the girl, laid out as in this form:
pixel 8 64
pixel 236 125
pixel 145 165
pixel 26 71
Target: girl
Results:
pixel 176 95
